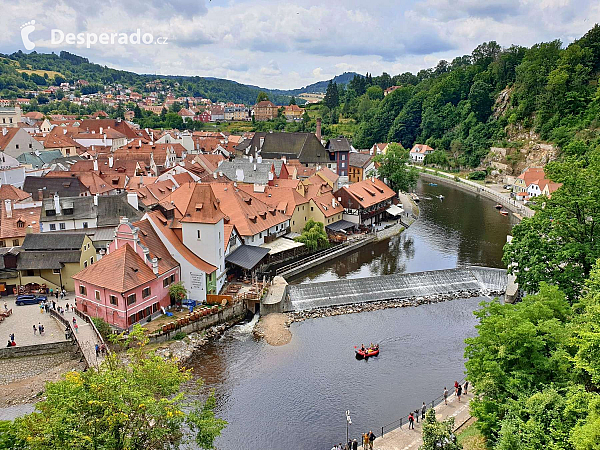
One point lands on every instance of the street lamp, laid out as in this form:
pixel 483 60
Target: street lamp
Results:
pixel 348 423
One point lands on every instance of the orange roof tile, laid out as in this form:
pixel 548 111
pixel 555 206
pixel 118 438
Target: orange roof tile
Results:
pixel 9 192
pixel 121 271
pixel 369 192
pixel 162 225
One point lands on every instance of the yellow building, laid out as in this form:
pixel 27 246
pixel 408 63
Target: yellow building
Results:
pixel 52 259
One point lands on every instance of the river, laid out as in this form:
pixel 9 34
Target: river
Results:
pixel 295 396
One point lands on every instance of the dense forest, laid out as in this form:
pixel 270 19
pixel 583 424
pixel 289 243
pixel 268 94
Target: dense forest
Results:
pixel 462 107
pixel 13 80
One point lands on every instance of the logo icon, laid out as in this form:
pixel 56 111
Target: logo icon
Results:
pixel 26 29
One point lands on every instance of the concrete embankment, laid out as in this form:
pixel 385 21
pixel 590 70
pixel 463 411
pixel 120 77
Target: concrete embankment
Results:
pixel 512 205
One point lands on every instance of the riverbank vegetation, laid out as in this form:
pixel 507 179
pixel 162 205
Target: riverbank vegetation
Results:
pixel 133 403
pixel 536 368
pixel 393 168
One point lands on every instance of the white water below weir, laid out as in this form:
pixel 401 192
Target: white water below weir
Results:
pixel 482 280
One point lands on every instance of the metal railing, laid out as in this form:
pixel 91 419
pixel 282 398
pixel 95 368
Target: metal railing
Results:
pixel 89 320
pixel 404 419
pixel 322 253
pixel 68 332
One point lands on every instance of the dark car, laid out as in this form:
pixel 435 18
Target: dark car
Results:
pixel 30 299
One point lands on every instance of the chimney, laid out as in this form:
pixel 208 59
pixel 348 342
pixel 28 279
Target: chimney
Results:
pixel 132 199
pixel 4 131
pixel 123 220
pixel 283 158
pixel 146 254
pixel 140 142
pixel 101 130
pixel 239 175
pixel 96 200
pixel 155 266
pixel 318 133
pixel 8 208
pixel 95 164
pixel 57 203
pixel 40 195
pixel 215 175
pixel 110 161
pixel 65 131
pixel 270 176
pixel 333 202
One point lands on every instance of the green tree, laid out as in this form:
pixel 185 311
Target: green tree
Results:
pixel 292 100
pixel 261 97
pixel 120 405
pixel 331 99
pixel 480 98
pixel 313 236
pixel 438 435
pixel 561 242
pixel 375 93
pixel 393 168
pixel 177 292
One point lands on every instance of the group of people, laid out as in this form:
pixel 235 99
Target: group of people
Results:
pixel 459 389
pixel 58 292
pixel 46 306
pixel 11 340
pixel 39 328
pixel 351 445
pixel 371 347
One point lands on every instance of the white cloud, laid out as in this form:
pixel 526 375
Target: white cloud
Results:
pixel 274 43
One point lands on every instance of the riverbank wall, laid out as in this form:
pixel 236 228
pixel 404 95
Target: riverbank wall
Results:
pixel 512 205
pixel 228 315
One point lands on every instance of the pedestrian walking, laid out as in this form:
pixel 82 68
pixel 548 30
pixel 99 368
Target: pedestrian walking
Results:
pixel 459 392
pixel 445 396
pixel 53 305
pixel 76 328
pixel 365 441
pixel 371 439
pixel 411 421
pixel 354 444
pixel 42 329
pixel 12 337
pixel 74 319
pixel 97 350
pixel 5 306
pixel 423 410
pixel 466 387
pixel 56 294
pixel 416 414
pixel 455 387
pixel 34 329
pixel 349 444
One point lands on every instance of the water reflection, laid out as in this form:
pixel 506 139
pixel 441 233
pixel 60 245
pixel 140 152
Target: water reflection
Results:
pixel 462 229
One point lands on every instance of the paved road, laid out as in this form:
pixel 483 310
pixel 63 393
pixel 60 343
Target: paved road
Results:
pixel 404 439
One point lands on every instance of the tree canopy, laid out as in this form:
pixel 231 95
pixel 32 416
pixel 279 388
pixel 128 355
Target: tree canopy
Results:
pixel 314 236
pixel 394 170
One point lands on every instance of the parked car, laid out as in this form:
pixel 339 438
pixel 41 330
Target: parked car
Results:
pixel 30 299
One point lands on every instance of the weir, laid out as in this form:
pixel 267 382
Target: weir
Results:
pixel 399 286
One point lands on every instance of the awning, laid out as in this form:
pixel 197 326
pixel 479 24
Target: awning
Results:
pixel 395 210
pixel 281 245
pixel 340 225
pixel 247 256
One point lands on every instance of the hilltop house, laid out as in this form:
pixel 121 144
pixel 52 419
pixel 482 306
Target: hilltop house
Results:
pixel 265 110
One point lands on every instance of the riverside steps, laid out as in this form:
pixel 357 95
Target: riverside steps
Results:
pixel 418 286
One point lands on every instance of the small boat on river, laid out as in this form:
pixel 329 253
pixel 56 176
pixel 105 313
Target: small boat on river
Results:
pixel 504 212
pixel 498 206
pixel 441 197
pixel 367 353
pixel 432 184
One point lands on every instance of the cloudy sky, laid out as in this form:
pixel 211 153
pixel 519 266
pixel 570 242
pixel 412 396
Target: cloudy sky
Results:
pixel 280 44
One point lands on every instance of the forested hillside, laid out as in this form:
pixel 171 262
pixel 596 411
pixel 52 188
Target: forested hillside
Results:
pixel 16 76
pixel 452 107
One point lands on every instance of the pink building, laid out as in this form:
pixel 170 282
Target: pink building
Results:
pixel 131 282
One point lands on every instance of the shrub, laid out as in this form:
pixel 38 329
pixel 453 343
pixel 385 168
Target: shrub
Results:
pixel 103 327
pixel 179 336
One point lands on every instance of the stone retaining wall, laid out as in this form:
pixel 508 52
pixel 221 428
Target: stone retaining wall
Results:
pixel 235 312
pixel 38 349
pixel 389 232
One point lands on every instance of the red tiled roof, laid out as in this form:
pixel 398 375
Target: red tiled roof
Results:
pixel 121 271
pixel 150 239
pixel 162 225
pixel 369 192
pixel 9 192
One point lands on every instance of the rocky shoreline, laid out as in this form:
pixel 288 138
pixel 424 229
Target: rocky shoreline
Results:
pixel 183 349
pixel 300 316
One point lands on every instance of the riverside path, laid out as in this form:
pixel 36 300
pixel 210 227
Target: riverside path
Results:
pixel 402 438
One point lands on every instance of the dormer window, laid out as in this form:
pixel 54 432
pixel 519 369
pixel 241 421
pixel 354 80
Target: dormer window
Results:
pixel 20 224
